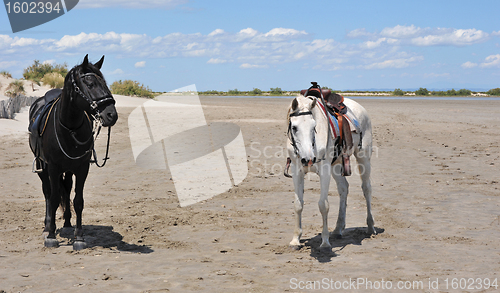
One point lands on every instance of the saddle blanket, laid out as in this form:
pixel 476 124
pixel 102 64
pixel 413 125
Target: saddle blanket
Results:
pixel 334 123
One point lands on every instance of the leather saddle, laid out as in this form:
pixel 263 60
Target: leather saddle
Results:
pixel 335 106
pixel 39 114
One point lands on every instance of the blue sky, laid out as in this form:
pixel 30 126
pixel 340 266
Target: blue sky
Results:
pixel 222 45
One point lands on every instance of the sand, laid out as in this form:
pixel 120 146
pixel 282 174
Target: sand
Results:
pixel 435 202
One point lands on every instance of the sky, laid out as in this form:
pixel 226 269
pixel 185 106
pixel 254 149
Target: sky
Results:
pixel 222 45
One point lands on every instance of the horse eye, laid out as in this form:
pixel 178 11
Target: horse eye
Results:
pixel 294 128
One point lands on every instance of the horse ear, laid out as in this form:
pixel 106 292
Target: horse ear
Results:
pixel 99 63
pixel 85 60
pixel 313 103
pixel 295 104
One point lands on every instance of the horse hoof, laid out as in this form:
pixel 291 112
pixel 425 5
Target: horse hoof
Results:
pixel 337 236
pixel 326 249
pixel 295 247
pixel 79 245
pixel 51 242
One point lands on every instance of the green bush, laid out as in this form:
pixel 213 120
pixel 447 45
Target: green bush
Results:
pixel 15 88
pixel 38 70
pixel 212 92
pixel 276 91
pixel 256 92
pixel 234 92
pixel 464 92
pixel 6 74
pixel 494 92
pixel 53 79
pixel 131 88
pixel 422 92
pixel 398 92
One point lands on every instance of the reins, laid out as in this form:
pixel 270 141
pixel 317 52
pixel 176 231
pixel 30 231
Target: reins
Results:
pixel 94 105
pixel 290 134
pixel 106 158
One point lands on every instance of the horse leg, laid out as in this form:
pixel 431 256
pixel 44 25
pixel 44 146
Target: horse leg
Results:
pixel 44 177
pixel 298 182
pixel 364 168
pixel 54 200
pixel 343 189
pixel 67 183
pixel 81 176
pixel 324 206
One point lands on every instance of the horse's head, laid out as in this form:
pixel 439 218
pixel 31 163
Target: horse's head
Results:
pixel 302 129
pixel 90 92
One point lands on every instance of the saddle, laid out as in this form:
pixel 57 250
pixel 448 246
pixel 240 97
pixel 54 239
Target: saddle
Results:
pixel 39 115
pixel 335 106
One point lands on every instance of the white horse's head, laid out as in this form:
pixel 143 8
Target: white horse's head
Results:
pixel 302 129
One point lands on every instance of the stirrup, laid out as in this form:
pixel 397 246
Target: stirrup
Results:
pixel 346 170
pixel 36 168
pixel 287 167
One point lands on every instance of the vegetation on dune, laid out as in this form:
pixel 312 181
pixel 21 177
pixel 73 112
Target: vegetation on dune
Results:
pixel 15 88
pixel 6 74
pixel 131 88
pixel 38 70
pixel 53 79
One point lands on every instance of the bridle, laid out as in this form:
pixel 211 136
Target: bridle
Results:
pixel 94 104
pixel 96 115
pixel 290 132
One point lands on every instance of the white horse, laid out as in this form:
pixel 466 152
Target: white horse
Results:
pixel 311 149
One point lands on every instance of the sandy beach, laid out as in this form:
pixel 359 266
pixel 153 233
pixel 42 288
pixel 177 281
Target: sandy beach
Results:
pixel 436 204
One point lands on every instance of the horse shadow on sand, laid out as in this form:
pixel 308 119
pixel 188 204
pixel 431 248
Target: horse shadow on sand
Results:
pixel 102 236
pixel 350 236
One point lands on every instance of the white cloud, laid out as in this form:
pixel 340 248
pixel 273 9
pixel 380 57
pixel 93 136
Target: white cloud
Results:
pixel 117 72
pixel 456 37
pixel 435 75
pixel 249 32
pixel 50 61
pixel 469 64
pixel 255 49
pixel 491 61
pixel 216 32
pixel 379 42
pixel 140 64
pixel 7 64
pixel 216 61
pixel 359 33
pixel 412 35
pixel 395 63
pixel 401 32
pixel 252 66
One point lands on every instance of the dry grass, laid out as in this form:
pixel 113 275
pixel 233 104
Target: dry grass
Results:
pixel 53 79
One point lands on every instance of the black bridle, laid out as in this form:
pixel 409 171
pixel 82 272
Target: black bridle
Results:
pixel 290 132
pixel 94 105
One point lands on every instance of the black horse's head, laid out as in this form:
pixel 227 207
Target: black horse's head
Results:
pixel 89 91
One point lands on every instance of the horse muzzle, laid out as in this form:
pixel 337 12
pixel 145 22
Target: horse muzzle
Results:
pixel 108 116
pixel 308 162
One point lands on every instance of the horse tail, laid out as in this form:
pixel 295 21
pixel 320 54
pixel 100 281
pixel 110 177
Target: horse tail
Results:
pixel 67 184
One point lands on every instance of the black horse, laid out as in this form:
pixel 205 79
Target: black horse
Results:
pixel 62 139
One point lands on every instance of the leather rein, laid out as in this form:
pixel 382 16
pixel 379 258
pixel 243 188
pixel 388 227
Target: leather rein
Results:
pixel 94 105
